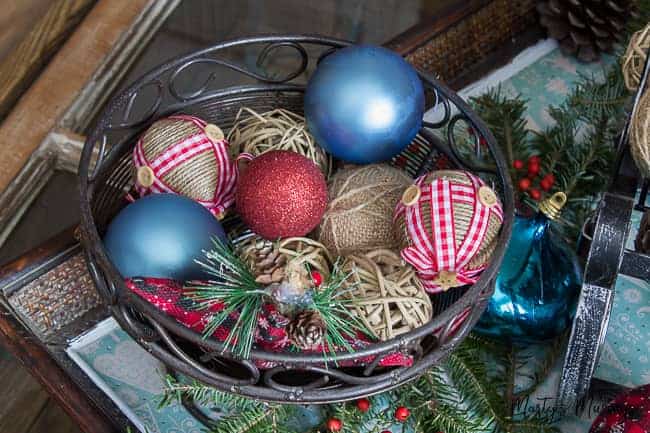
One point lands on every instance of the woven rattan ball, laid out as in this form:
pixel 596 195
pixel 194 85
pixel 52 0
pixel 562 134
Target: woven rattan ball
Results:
pixel 640 135
pixel 633 60
pixel 185 155
pixel 389 297
pixel 359 215
pixel 290 258
pixel 279 129
pixel 447 224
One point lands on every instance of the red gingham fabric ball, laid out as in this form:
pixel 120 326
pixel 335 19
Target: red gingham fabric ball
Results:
pixel 628 413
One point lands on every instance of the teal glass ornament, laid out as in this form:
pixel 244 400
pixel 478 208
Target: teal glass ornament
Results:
pixel 538 284
pixel 364 104
pixel 160 236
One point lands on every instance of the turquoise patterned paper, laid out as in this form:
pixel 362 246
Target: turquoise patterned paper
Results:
pixel 133 378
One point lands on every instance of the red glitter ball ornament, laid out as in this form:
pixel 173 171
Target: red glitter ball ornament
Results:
pixel 628 413
pixel 281 194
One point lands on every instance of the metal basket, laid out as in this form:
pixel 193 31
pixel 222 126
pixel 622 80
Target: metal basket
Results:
pixel 106 176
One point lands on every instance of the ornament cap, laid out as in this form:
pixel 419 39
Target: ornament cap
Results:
pixel 552 206
pixel 411 195
pixel 145 176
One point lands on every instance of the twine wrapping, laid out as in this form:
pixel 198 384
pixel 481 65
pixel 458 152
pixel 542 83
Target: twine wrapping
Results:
pixel 359 216
pixel 448 223
pixel 389 297
pixel 633 60
pixel 640 135
pixel 181 155
pixel 279 129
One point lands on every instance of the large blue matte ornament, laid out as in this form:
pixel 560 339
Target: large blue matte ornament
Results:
pixel 537 286
pixel 160 235
pixel 364 104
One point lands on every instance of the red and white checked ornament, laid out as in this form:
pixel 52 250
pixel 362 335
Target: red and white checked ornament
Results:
pixel 185 155
pixel 448 222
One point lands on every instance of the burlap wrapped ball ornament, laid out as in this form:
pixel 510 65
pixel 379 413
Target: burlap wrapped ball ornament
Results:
pixel 281 194
pixel 633 60
pixel 359 215
pixel 257 133
pixel 388 295
pixel 187 156
pixel 640 135
pixel 448 222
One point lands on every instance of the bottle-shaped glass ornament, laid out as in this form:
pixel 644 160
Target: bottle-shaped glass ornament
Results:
pixel 538 284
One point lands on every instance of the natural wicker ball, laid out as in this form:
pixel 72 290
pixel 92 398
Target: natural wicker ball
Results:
pixel 278 259
pixel 279 129
pixel 633 60
pixel 359 215
pixel 187 156
pixel 447 224
pixel 388 296
pixel 640 135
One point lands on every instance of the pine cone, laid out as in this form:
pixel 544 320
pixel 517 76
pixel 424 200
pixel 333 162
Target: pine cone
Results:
pixel 306 330
pixel 266 261
pixel 642 241
pixel 586 28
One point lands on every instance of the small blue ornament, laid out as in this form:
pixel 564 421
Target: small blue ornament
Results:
pixel 160 235
pixel 538 284
pixel 364 104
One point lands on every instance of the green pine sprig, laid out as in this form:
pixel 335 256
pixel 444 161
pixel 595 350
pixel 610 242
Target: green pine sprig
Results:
pixel 335 308
pixel 235 287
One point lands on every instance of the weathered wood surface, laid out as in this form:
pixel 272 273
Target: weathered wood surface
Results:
pixel 36 113
pixel 25 62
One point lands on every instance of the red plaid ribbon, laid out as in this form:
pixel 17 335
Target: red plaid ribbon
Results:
pixel 224 192
pixel 169 297
pixel 434 252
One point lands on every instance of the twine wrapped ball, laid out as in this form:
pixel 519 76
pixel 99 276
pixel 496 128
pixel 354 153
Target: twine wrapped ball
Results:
pixel 633 60
pixel 640 135
pixel 359 214
pixel 389 297
pixel 448 223
pixel 187 156
pixel 279 129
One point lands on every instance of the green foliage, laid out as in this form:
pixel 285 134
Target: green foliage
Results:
pixel 234 285
pixel 335 308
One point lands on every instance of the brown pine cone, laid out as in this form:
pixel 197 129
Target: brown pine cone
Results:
pixel 642 241
pixel 265 260
pixel 586 28
pixel 306 330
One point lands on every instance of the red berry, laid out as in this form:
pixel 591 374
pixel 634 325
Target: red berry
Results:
pixel 334 424
pixel 518 164
pixel 546 184
pixel 482 141
pixel 533 169
pixel 535 159
pixel 524 184
pixel 363 404
pixel 402 414
pixel 317 278
pixel 386 431
pixel 550 178
pixel 535 194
